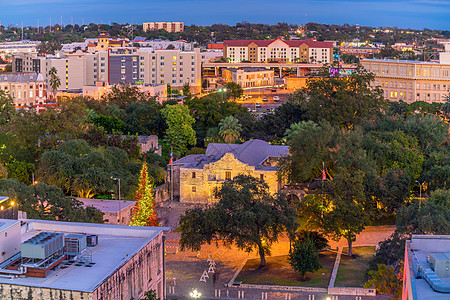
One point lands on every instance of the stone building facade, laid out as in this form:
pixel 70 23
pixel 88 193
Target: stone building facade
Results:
pixel 197 177
pixel 126 262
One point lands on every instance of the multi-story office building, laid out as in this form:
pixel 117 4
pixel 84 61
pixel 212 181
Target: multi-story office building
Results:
pixel 411 80
pixel 9 48
pixel 27 89
pixel 125 65
pixel 167 26
pixel 278 50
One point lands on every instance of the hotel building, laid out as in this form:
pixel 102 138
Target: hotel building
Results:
pixel 278 50
pixel 167 26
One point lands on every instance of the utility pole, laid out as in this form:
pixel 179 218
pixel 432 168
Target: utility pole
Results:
pixel 22 30
pixel 50 24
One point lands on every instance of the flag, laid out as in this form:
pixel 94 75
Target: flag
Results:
pixel 324 175
pixel 170 157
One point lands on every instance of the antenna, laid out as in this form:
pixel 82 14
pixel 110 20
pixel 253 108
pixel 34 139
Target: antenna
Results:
pixel 38 27
pixel 50 24
pixel 61 23
pixel 71 20
pixel 22 30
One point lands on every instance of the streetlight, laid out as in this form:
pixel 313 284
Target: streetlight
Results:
pixel 221 94
pixel 118 179
pixel 420 193
pixel 195 294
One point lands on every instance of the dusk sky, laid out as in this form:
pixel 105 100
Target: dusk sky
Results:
pixel 417 14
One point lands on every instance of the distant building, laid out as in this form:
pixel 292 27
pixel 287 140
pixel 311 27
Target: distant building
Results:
pixel 46 260
pixel 278 50
pixel 249 77
pixel 7 49
pixel 165 44
pixel 411 80
pixel 196 177
pixel 149 143
pixel 27 89
pixel 426 273
pixel 117 65
pixel 167 26
pixel 360 52
pixel 159 91
pixel 115 212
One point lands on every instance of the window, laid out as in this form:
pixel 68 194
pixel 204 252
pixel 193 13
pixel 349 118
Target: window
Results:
pixel 261 177
pixel 158 257
pixel 193 174
pixel 227 175
pixel 194 189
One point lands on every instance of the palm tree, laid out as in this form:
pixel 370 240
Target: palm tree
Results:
pixel 230 129
pixel 446 107
pixel 55 82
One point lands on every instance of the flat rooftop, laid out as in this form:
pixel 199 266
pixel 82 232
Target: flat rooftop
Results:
pixel 404 61
pixel 106 205
pixel 116 245
pixel 6 223
pixel 420 247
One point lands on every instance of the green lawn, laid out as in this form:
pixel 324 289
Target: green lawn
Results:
pixel 279 272
pixel 352 270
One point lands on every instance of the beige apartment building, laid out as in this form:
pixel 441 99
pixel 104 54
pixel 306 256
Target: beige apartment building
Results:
pixel 118 65
pixel 27 89
pixel 307 51
pixel 167 26
pixel 411 80
pixel 249 77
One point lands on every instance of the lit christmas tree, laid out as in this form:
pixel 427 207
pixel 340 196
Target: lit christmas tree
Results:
pixel 144 213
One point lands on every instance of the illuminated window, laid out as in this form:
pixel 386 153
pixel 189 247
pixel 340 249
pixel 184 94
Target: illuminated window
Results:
pixel 228 175
pixel 194 189
pixel 193 174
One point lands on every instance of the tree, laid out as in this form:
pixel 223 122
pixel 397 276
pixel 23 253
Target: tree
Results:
pixel 319 241
pixel 310 146
pixel 387 280
pixel 55 82
pixel 6 108
pixel 187 91
pixel 179 133
pixel 110 123
pixel 144 213
pixel 234 89
pixel 229 129
pixel 246 215
pixel 343 101
pixel 150 295
pixel 46 202
pixel 303 257
pixel 347 216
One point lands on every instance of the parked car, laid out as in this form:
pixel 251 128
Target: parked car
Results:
pixel 276 98
pixel 257 105
pixel 265 99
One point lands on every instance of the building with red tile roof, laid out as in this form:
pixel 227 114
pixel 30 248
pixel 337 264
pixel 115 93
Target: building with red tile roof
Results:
pixel 307 51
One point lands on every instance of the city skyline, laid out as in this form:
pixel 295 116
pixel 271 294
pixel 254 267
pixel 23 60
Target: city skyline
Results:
pixel 416 14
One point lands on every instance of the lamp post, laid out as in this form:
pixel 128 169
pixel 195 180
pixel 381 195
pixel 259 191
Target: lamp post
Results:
pixel 221 93
pixel 420 193
pixel 195 294
pixel 118 179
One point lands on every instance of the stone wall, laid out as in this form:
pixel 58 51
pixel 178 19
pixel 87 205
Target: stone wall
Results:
pixel 143 272
pixel 199 185
pixel 18 292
